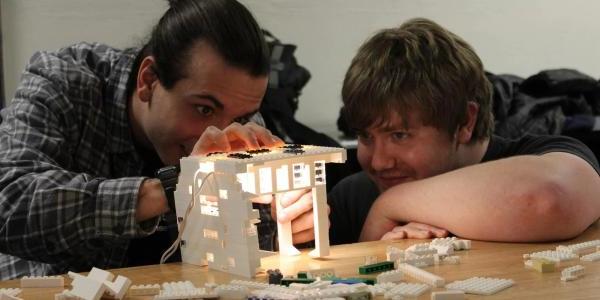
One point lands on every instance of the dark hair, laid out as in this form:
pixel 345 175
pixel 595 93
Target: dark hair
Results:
pixel 226 25
pixel 417 66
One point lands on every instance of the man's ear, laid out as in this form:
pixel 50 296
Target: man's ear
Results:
pixel 465 131
pixel 146 79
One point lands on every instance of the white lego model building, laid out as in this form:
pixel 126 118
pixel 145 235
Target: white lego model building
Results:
pixel 219 227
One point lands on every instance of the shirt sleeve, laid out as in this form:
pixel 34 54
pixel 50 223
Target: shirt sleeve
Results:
pixel 49 213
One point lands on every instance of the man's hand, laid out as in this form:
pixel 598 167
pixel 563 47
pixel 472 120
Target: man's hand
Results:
pixel 298 208
pixel 235 137
pixel 152 201
pixel 414 230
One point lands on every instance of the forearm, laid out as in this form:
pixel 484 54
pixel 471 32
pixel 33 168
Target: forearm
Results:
pixel 517 199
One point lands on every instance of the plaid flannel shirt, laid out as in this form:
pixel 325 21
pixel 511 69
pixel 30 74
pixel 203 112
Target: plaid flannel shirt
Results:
pixel 69 170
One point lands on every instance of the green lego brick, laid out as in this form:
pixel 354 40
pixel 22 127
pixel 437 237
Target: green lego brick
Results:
pixel 302 274
pixel 287 281
pixel 376 268
pixel 369 281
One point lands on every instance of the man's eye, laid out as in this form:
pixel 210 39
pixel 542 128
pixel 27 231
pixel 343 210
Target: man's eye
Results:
pixel 205 110
pixel 242 120
pixel 398 136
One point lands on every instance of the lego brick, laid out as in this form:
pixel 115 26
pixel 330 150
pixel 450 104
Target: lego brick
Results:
pixel 100 275
pixel 591 257
pixel 287 280
pixel 182 290
pixel 580 247
pixel 462 244
pixel 227 291
pixel 572 273
pixel 541 265
pixel 87 288
pixel 144 290
pixel 10 291
pixel 321 273
pixel 275 276
pixel 481 285
pixel 350 280
pixel 419 260
pixel 376 268
pixel 421 249
pixel 551 255
pixel 118 288
pixel 390 276
pixel 450 260
pixel 42 281
pixel 407 290
pixel 392 253
pixel 421 275
pixel 253 285
pixel 448 295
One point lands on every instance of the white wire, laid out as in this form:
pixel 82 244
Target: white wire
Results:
pixel 181 228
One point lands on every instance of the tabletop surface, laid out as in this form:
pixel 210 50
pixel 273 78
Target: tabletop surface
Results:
pixel 485 259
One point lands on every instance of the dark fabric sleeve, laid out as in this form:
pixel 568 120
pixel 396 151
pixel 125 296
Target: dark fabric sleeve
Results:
pixel 350 201
pixel 542 144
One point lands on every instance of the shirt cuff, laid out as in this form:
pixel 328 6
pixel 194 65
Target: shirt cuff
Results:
pixel 116 202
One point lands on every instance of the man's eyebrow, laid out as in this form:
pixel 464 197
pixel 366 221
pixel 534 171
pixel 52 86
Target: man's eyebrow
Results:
pixel 216 102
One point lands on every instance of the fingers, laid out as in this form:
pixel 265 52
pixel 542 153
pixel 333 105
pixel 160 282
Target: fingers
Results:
pixel 241 137
pixel 435 231
pixel 415 231
pixel 264 199
pixel 291 197
pixel 235 137
pixel 394 235
pixel 304 236
pixel 212 140
pixel 264 136
pixel 295 208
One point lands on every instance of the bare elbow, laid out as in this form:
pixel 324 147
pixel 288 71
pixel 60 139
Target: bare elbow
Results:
pixel 554 213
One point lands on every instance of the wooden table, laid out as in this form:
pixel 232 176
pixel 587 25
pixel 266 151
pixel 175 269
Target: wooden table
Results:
pixel 485 259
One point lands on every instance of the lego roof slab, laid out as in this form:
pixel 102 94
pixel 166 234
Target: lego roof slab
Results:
pixel 290 153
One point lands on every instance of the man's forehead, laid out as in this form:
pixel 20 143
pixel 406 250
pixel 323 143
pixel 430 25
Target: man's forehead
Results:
pixel 395 121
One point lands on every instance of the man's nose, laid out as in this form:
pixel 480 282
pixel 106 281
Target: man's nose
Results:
pixel 382 158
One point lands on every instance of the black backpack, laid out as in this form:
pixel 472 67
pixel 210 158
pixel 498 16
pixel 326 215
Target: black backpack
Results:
pixel 286 80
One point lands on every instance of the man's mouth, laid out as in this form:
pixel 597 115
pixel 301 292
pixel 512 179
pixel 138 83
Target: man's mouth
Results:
pixel 390 181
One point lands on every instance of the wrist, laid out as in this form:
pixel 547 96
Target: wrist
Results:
pixel 152 201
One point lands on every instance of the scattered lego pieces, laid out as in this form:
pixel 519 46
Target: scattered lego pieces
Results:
pixel 481 285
